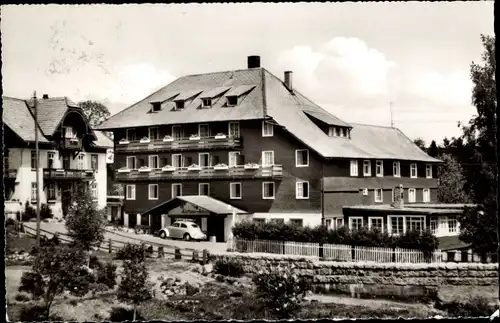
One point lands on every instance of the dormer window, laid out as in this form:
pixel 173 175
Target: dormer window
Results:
pixel 206 103
pixel 232 101
pixel 179 105
pixel 68 133
pixel 331 131
pixel 345 133
pixel 156 106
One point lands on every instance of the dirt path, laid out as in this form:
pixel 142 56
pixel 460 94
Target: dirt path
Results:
pixel 373 303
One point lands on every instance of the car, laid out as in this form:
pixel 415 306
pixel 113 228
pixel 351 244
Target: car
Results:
pixel 186 230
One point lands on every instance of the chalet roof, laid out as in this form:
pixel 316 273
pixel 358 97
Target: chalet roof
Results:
pixel 387 208
pixel 17 116
pixel 269 98
pixel 102 140
pixel 206 202
pixel 51 111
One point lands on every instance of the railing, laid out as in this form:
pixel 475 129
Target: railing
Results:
pixel 71 143
pixel 335 252
pixel 160 145
pixel 67 174
pixel 183 173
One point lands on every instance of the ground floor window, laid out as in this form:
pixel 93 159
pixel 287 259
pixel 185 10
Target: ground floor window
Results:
pixel 339 222
pixel 51 192
pixel 33 191
pixel 434 224
pixel 297 222
pixel 278 220
pixel 204 189
pixel 397 224
pixel 452 224
pixel 426 195
pixel 268 190
pixel 259 220
pixel 93 191
pixel 376 223
pixel 328 223
pixel 355 223
pixel 415 223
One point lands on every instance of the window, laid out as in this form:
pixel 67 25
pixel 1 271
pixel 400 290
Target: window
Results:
pixel 156 106
pixel 131 162
pixel 392 194
pixel 206 103
pixel 183 225
pixel 434 224
pixel 415 223
pixel 50 159
pixel 365 191
pixel 331 131
pixel 176 190
pixel 302 158
pixel 257 220
pixel 345 133
pixel 297 222
pixel 413 170
pixel 267 129
pixel 51 192
pixel 355 223
pixel 66 162
pixel 452 224
pixel 204 130
pixel 204 189
pixel 302 190
pixel 367 168
pixel 379 168
pixel 93 191
pixel 428 171
pixel 153 133
pixel 268 190
pixel 379 197
pixel 235 190
pixel 234 129
pixel 130 192
pixel 354 168
pixel 411 195
pixel 397 224
pixel 233 158
pixel 337 132
pixel 396 169
pixel 328 223
pixel 204 159
pixel 94 162
pixel 179 105
pixel 277 220
pixel 33 159
pixel 232 100
pixel 426 195
pixel 153 162
pixel 80 162
pixel 153 191
pixel 177 160
pixel 267 158
pixel 130 134
pixel 177 132
pixel 33 191
pixel 68 133
pixel 376 223
pixel 339 222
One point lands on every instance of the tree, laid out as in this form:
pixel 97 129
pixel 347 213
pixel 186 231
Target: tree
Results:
pixel 433 149
pixel 479 224
pixel 96 112
pixel 451 181
pixel 85 222
pixel 420 143
pixel 134 287
pixel 56 268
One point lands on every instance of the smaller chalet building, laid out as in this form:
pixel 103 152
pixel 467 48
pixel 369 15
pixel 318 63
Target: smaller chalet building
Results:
pixel 251 140
pixel 69 152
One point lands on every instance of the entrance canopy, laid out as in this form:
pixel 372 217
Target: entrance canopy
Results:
pixel 193 205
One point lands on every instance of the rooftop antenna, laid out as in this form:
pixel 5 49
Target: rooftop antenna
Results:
pixel 392 114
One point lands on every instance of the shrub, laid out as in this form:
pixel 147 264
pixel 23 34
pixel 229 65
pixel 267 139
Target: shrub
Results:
pixel 281 290
pixel 425 242
pixel 122 314
pixel 131 252
pixel 22 297
pixel 106 275
pixel 46 212
pixel 475 306
pixel 29 211
pixel 10 222
pixel 229 267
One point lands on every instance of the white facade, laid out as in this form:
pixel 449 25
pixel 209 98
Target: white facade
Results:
pixel 308 219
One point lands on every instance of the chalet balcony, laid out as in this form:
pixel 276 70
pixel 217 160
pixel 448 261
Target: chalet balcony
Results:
pixel 219 172
pixel 71 143
pixel 67 174
pixel 186 144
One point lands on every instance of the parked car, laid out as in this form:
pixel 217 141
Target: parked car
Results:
pixel 183 230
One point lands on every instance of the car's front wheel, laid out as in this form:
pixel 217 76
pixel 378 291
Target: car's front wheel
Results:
pixel 187 237
pixel 163 234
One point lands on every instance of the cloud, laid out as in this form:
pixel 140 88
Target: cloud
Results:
pixel 451 89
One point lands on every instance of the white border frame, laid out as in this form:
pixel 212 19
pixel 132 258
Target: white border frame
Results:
pixel 263 159
pixel 157 191
pixel 231 195
pixel 274 191
pixel 199 189
pixel 157 161
pixel 428 190
pixel 381 195
pixel 229 129
pixel 389 224
pixel 297 190
pixel 351 165
pixel 398 164
pixel 236 153
pixel 416 170
pixel 370 168
pixel 415 194
pixel 181 161
pixel 376 218
pixel 427 166
pixel 296 157
pixel 209 160
pixel 135 162
pixel 356 218
pixel 127 187
pixel 407 217
pixel 172 189
pixel 264 127
pixel 381 168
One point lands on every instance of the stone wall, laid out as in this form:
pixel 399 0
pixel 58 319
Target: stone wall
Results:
pixel 399 281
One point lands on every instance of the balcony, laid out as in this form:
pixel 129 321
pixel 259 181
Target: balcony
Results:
pixel 169 144
pixel 67 174
pixel 205 173
pixel 71 143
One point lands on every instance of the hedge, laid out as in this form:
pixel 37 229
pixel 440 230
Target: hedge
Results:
pixel 364 237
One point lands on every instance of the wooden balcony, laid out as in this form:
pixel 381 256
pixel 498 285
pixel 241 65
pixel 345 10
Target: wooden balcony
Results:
pixel 205 173
pixel 162 145
pixel 68 174
pixel 71 143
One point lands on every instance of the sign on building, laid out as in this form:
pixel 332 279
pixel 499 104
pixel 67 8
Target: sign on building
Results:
pixel 110 156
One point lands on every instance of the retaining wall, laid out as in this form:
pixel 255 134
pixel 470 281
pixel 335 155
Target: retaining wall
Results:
pixel 398 281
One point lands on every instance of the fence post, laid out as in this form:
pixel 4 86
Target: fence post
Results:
pixel 177 253
pixel 196 257
pixel 353 253
pixel 283 247
pixel 110 246
pixel 393 254
pixel 161 253
pixel 321 250
pixel 205 257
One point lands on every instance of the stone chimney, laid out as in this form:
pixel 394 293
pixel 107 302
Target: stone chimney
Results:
pixel 288 80
pixel 45 96
pixel 398 197
pixel 253 61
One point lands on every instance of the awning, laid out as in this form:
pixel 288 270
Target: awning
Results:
pixel 199 201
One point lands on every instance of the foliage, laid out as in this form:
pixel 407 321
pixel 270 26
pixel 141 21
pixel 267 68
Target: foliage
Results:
pixel 476 306
pixel 433 150
pixel 95 112
pixel 134 287
pixel 281 289
pixel 132 252
pixel 56 268
pixel 10 222
pixel 229 267
pixel 46 212
pixel 36 313
pixel 451 187
pixel 22 297
pixel 420 143
pixel 29 211
pixel 85 222
pixel 122 314
pixel 423 241
pixel 116 190
pixel 105 273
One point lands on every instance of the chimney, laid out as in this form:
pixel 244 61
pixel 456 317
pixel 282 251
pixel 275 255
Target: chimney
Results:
pixel 288 80
pixel 253 61
pixel 398 197
pixel 45 96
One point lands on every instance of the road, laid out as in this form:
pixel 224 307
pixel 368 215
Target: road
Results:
pixel 127 237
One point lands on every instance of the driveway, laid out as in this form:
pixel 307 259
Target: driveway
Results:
pixel 127 237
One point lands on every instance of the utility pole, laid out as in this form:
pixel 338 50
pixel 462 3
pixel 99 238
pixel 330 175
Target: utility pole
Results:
pixel 37 173
pixel 392 117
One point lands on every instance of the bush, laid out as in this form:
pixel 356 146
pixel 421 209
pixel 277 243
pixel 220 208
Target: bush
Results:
pixel 46 212
pixel 121 314
pixel 425 242
pixel 29 212
pixel 22 297
pixel 131 252
pixel 281 290
pixel 229 267
pixel 32 283
pixel 476 306
pixel 106 275
pixel 10 222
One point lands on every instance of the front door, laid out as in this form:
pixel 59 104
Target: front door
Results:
pixel 215 227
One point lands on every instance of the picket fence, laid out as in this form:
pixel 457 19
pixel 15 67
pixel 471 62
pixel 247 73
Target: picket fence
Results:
pixel 334 252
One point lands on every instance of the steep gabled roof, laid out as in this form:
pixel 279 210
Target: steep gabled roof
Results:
pixel 102 140
pixel 51 111
pixel 17 116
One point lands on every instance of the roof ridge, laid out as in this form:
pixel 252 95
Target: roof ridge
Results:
pixel 373 125
pixel 13 98
pixel 223 72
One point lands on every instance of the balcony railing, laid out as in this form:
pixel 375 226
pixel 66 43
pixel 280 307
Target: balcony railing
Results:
pixel 71 143
pixel 185 144
pixel 211 172
pixel 68 174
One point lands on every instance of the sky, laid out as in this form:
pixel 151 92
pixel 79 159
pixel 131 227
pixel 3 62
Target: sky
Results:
pixel 356 60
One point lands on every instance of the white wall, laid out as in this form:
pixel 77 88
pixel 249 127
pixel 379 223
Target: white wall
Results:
pixel 443 229
pixel 308 219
